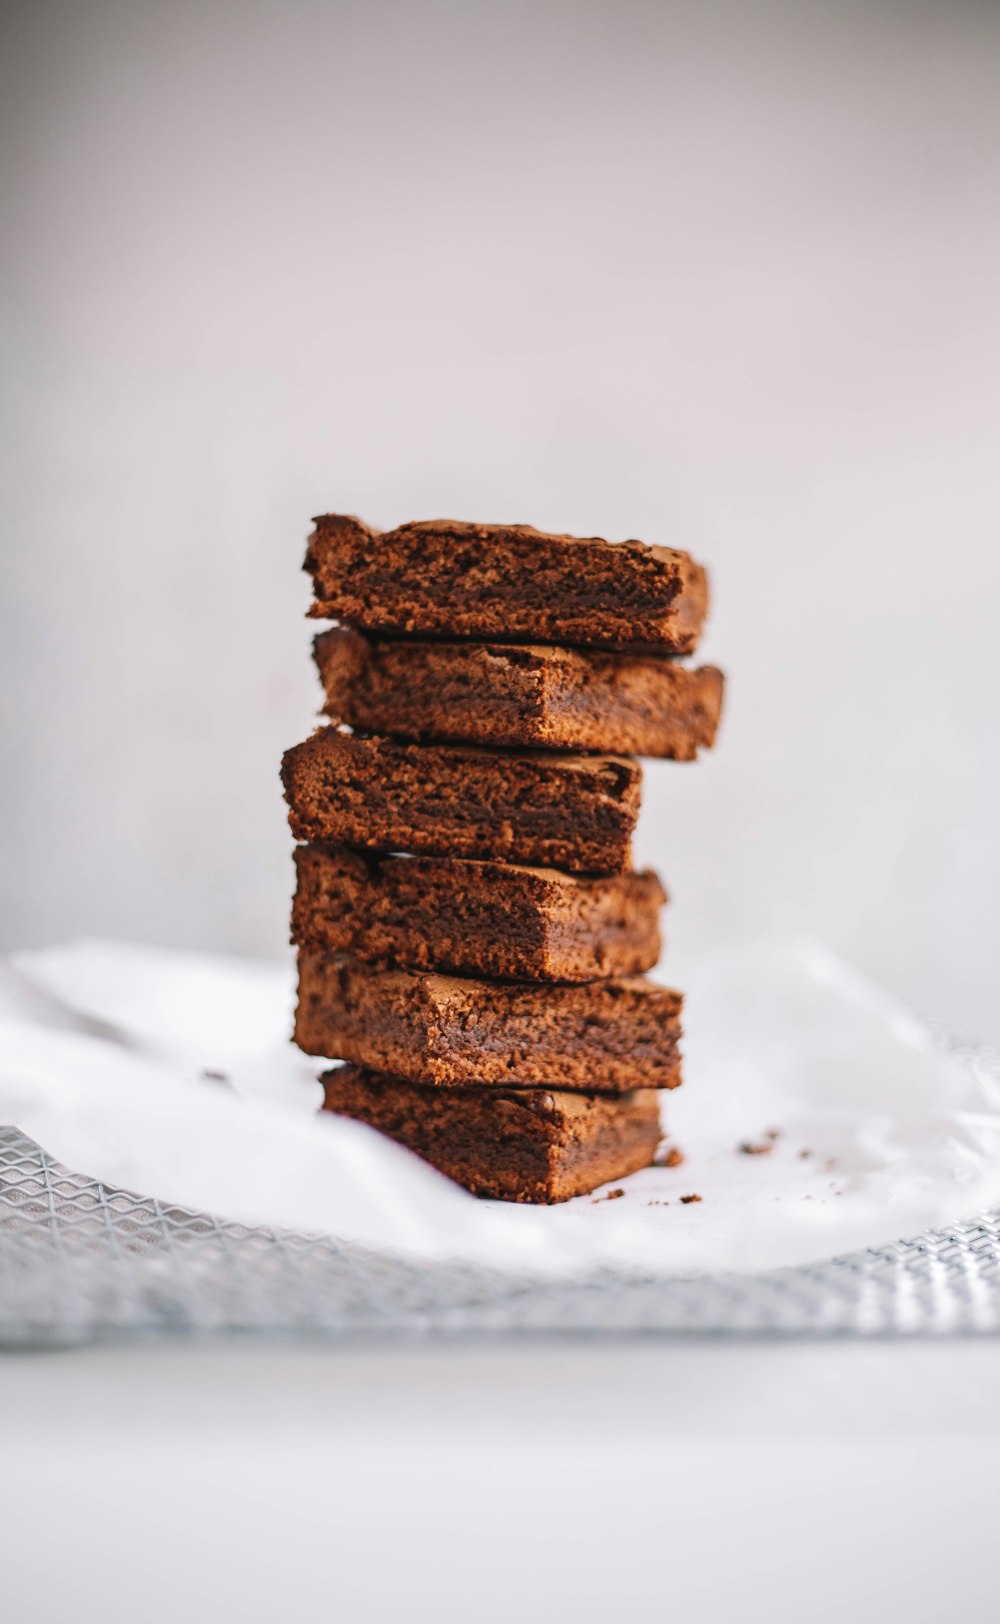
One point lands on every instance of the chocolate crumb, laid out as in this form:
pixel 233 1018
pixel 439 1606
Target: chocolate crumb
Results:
pixel 687 1198
pixel 668 1155
pixel 804 1153
pixel 773 1133
pixel 612 1195
pixel 657 1203
pixel 215 1076
pixel 758 1147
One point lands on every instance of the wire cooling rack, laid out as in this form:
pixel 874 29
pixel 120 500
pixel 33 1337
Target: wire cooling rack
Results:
pixel 82 1262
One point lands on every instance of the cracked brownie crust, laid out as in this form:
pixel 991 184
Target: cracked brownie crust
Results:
pixel 514 1145
pixel 546 811
pixel 606 1036
pixel 498 694
pixel 475 918
pixel 445 578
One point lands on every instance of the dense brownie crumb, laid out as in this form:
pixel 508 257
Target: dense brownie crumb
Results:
pixel 511 1144
pixel 475 918
pixel 606 1036
pixel 519 696
pixel 549 811
pixel 509 583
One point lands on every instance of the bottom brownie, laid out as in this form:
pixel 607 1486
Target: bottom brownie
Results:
pixel 515 1145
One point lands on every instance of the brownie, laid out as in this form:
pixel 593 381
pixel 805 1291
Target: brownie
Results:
pixel 475 918
pixel 548 811
pixel 516 695
pixel 506 582
pixel 512 1144
pixel 605 1036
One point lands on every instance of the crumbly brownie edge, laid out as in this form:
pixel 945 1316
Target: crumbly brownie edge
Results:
pixel 512 583
pixel 447 693
pixel 478 919
pixel 607 928
pixel 444 1031
pixel 530 1146
pixel 570 812
pixel 519 696
pixel 412 913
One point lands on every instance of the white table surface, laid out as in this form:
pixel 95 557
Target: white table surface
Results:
pixel 557 1480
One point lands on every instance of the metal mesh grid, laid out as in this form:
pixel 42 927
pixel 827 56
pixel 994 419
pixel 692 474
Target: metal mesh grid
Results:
pixel 82 1262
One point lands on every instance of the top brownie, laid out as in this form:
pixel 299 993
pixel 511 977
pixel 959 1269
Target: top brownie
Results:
pixel 446 578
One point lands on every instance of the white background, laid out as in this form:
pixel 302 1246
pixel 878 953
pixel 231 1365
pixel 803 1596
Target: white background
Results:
pixel 721 276
pixel 767 1483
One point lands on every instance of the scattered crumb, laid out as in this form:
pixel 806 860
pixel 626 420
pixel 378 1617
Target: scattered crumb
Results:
pixel 657 1203
pixel 772 1133
pixel 612 1195
pixel 804 1153
pixel 668 1156
pixel 687 1198
pixel 755 1147
pixel 829 1164
pixel 215 1076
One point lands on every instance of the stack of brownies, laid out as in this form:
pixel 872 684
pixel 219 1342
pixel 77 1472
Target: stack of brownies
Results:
pixel 472 939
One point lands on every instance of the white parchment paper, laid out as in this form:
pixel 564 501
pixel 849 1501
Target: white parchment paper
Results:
pixel 171 1074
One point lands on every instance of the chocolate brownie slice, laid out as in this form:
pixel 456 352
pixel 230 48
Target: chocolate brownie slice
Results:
pixel 512 1144
pixel 475 918
pixel 605 1036
pixel 548 811
pixel 516 695
pixel 506 582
